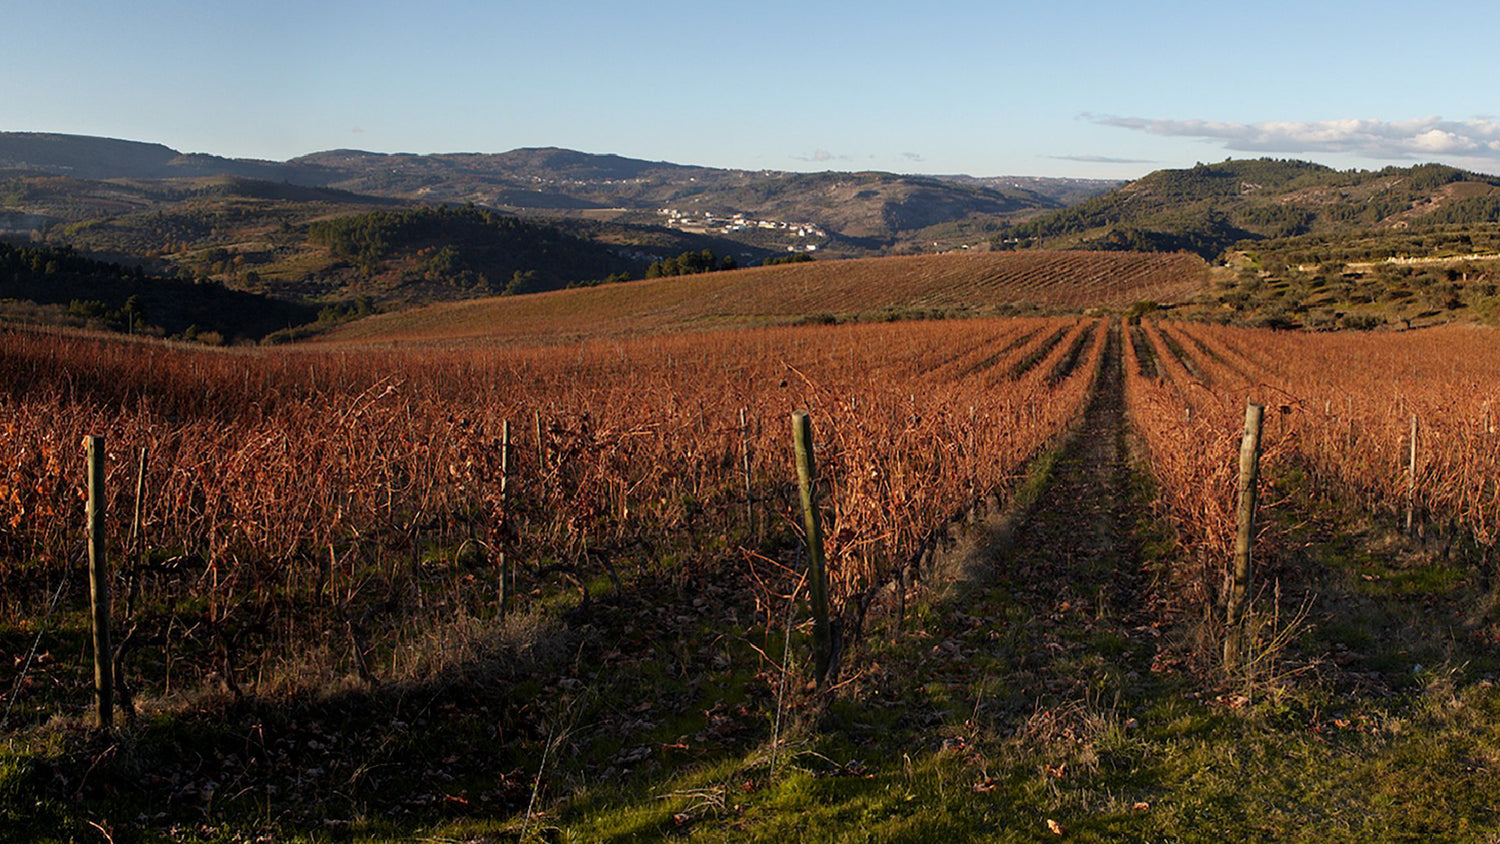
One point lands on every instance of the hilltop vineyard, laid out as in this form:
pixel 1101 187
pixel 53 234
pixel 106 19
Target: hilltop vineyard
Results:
pixel 913 285
pixel 279 508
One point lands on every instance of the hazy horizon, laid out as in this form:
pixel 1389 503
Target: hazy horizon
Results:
pixel 1075 89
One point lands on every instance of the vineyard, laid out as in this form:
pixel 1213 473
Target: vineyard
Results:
pixel 559 590
pixel 370 500
pixel 1403 426
pixel 962 284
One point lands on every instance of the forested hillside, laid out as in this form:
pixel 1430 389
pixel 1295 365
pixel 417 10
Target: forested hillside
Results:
pixel 1210 208
pixel 469 249
pixel 57 284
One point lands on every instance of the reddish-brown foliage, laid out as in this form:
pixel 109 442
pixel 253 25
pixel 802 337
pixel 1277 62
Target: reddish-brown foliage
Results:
pixel 291 491
pixel 1337 405
pixel 974 283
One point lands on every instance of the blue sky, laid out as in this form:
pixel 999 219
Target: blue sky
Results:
pixel 1063 88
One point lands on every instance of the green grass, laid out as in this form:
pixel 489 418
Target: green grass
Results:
pixel 1186 772
pixel 1416 768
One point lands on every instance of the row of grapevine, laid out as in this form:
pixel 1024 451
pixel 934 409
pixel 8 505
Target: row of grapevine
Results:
pixel 974 283
pixel 1342 407
pixel 1352 399
pixel 289 494
pixel 1189 423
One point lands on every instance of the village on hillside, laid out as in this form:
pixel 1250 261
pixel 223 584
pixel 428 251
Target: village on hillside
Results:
pixel 705 222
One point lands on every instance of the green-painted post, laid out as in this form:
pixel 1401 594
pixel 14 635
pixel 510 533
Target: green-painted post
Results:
pixel 104 697
pixel 817 572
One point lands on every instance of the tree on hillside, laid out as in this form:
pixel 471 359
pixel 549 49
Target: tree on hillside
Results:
pixel 690 263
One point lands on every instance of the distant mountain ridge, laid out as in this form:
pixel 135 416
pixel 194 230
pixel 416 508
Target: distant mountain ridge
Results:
pixel 1066 190
pixel 1205 209
pixel 86 157
pixel 875 207
pixel 873 210
pixel 526 162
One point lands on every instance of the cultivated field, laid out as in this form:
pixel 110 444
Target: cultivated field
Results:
pixel 954 284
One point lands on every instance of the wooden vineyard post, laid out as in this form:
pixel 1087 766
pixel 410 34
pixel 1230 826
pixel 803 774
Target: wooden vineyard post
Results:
pixel 1411 478
pixel 507 580
pixel 140 492
pixel 817 575
pixel 541 449
pixel 749 485
pixel 1239 578
pixel 104 697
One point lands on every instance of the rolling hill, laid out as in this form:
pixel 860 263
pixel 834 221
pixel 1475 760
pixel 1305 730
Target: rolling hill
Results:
pixel 56 285
pixel 85 157
pixel 1305 246
pixel 248 225
pixel 1211 208
pixel 866 288
pixel 256 236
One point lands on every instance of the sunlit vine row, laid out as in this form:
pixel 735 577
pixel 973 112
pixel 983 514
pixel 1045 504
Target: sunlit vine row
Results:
pixel 287 492
pixel 1339 407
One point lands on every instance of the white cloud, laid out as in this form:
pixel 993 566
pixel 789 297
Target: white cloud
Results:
pixel 1100 159
pixel 1399 139
pixel 821 155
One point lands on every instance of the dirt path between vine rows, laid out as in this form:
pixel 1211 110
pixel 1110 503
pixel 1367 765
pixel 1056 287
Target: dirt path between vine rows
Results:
pixel 1061 619
pixel 1076 566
